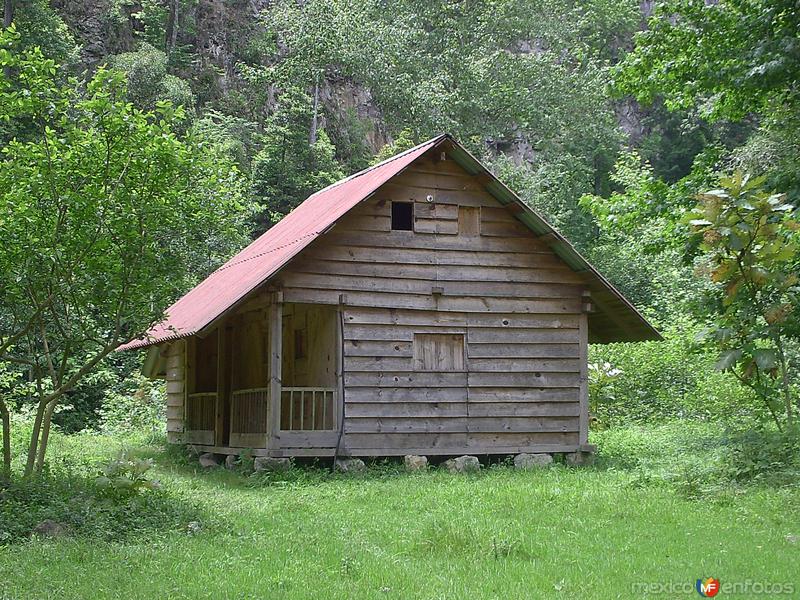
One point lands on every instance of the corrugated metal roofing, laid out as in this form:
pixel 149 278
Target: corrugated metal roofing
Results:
pixel 616 320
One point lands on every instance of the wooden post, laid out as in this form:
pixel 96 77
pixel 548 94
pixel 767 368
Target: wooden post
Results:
pixel 275 360
pixel 223 382
pixel 337 408
pixel 584 366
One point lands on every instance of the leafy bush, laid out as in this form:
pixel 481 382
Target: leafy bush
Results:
pixel 69 496
pixel 125 476
pixel 667 380
pixel 136 405
pixel 701 460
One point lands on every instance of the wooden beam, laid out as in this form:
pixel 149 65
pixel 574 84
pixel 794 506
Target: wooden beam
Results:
pixel 275 360
pixel 223 381
pixel 584 379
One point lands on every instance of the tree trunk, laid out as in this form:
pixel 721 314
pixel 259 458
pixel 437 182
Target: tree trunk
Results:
pixel 312 135
pixel 787 390
pixel 8 13
pixel 6 417
pixel 171 36
pixel 48 418
pixel 34 443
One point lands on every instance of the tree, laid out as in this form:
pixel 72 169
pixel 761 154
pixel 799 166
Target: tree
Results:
pixel 730 58
pixel 106 215
pixel 750 236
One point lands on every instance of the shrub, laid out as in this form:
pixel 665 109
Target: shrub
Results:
pixel 125 477
pixel 137 405
pixel 701 460
pixel 666 380
pixel 69 496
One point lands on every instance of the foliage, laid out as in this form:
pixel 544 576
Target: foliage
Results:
pixel 601 376
pixel 135 404
pixel 125 476
pixel 40 26
pixel 107 215
pixel 66 494
pixel 405 140
pixel 149 82
pixel 288 169
pixel 667 380
pixel 750 238
pixel 727 58
pixel 702 460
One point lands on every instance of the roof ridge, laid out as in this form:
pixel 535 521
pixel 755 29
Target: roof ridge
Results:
pixel 376 166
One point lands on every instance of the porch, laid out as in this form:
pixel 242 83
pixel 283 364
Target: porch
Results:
pixel 265 381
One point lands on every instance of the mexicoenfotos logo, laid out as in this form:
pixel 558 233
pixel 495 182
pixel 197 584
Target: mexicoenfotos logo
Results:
pixel 707 588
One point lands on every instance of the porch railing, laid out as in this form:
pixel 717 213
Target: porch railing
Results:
pixel 249 417
pixel 307 408
pixel 200 416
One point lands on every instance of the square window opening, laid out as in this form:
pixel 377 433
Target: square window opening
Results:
pixel 402 216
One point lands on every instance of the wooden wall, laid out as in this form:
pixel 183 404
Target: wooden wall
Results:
pixel 470 268
pixel 175 359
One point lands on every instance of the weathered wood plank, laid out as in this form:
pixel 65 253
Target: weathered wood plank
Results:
pixel 493 440
pixel 520 335
pixel 538 379
pixel 521 365
pixel 513 395
pixel 369 315
pixel 410 239
pixel 406 394
pixel 505 425
pixel 425 409
pixel 474 197
pixel 524 365
pixel 445 303
pixel 523 409
pixel 389 441
pixel 377 348
pixel 357 222
pixel 505 229
pixel 543 258
pixel 437 226
pixel 500 350
pixel 549 273
pixel 438 181
pixel 404 379
pixel 492 289
pixel 390 425
pixel 584 385
pixel 406 409
pixel 501 425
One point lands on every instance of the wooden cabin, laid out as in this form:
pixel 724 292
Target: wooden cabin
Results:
pixel 416 307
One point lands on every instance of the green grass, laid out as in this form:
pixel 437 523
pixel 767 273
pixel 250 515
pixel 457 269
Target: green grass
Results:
pixel 571 533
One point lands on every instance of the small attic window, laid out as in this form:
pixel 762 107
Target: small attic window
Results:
pixel 402 216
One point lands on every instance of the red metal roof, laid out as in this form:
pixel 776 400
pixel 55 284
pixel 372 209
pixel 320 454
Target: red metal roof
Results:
pixel 271 251
pixel 616 320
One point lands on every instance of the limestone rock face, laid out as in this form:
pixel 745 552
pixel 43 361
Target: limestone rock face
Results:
pixel 208 460
pixel 416 463
pixel 463 464
pixel 532 461
pixel 269 463
pixel 350 465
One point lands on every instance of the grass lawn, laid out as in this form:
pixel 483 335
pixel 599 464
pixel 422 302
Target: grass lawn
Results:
pixel 572 533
